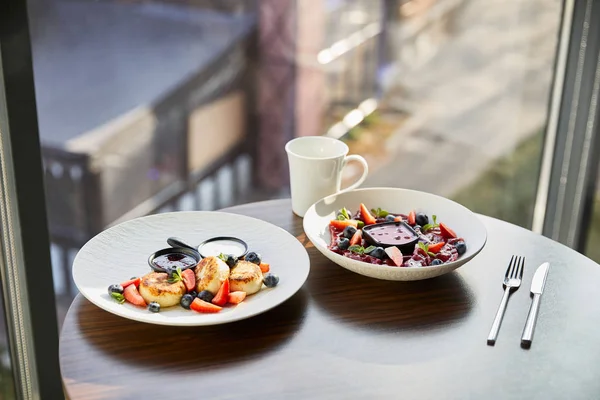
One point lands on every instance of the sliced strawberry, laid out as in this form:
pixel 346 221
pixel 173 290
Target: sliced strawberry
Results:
pixel 135 282
pixel 435 248
pixel 202 306
pixel 366 215
pixel 341 225
pixel 132 295
pixel 264 267
pixel 236 297
pixel 189 279
pixel 356 238
pixel 412 218
pixel 446 232
pixel 222 295
pixel 398 219
pixel 395 254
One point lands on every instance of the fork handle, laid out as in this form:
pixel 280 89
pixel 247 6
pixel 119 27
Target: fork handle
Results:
pixel 527 336
pixel 491 340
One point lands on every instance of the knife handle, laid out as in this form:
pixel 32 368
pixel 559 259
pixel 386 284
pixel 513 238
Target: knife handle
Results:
pixel 527 336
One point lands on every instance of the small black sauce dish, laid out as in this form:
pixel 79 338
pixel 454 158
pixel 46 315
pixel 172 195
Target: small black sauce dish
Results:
pixel 171 258
pixel 387 234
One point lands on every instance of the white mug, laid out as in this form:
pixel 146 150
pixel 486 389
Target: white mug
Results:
pixel 316 164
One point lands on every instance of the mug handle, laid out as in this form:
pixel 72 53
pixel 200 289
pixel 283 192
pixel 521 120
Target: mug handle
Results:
pixel 363 162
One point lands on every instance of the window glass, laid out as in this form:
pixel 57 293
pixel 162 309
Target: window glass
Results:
pixel 155 106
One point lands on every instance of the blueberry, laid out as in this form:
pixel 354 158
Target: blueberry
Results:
pixel 193 293
pixel 253 258
pixel 132 278
pixel 206 296
pixel 390 218
pixel 461 248
pixel 417 227
pixel 349 231
pixel 115 289
pixel 343 243
pixel 378 253
pixel 422 219
pixel 231 260
pixel 186 301
pixel 154 307
pixel 270 280
pixel 437 262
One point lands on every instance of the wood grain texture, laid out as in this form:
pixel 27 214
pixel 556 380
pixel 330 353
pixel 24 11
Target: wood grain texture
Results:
pixel 344 336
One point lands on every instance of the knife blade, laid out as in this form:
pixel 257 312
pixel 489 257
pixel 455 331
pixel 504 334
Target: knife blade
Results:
pixel 537 288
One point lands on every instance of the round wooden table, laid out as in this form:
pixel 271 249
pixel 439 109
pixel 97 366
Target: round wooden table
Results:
pixel 345 336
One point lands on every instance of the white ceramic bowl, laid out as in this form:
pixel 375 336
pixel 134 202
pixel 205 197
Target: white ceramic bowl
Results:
pixel 463 221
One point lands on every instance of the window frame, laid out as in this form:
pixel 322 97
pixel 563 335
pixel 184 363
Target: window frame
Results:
pixel 25 263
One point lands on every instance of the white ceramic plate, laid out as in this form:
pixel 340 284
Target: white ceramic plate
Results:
pixel 464 222
pixel 121 252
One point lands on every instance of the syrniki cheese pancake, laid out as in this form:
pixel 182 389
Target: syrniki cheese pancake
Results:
pixel 155 287
pixel 210 273
pixel 246 277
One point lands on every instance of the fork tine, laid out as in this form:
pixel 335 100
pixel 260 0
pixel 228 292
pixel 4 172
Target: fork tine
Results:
pixel 508 270
pixel 515 267
pixel 522 267
pixel 518 268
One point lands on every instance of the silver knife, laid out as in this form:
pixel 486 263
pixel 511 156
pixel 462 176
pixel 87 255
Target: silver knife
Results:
pixel 537 287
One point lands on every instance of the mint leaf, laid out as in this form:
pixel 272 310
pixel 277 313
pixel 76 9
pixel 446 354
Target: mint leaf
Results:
pixel 379 213
pixel 369 249
pixel 425 248
pixel 360 224
pixel 223 257
pixel 343 214
pixel 119 298
pixel 357 249
pixel 427 227
pixel 177 276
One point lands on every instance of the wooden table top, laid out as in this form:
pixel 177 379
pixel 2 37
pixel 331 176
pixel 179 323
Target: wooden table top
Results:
pixel 344 336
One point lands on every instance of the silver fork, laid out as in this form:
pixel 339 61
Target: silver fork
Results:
pixel 512 281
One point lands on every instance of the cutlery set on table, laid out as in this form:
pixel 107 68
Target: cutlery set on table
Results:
pixel 511 283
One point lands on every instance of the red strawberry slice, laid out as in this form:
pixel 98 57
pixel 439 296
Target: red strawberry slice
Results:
pixel 189 279
pixel 222 295
pixel 341 225
pixel 395 254
pixel 446 232
pixel 366 215
pixel 412 218
pixel 135 281
pixel 435 248
pixel 236 297
pixel 132 295
pixel 356 238
pixel 202 306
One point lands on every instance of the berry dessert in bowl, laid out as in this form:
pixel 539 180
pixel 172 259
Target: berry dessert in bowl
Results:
pixel 394 234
